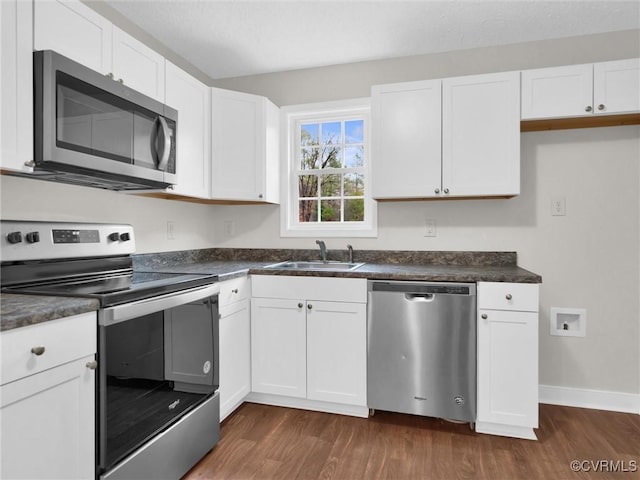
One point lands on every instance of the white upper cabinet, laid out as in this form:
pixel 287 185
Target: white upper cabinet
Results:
pixel 74 30
pixel 406 139
pixel 581 90
pixel 616 87
pixel 244 147
pixel 481 135
pixel 457 137
pixel 138 66
pixel 16 85
pixel 191 98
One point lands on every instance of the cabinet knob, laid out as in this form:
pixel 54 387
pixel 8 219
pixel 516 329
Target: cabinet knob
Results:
pixel 260 196
pixel 436 191
pixel 309 306
pixel 446 190
pixel 508 296
pixel 300 305
pixel 121 81
pixel 92 365
pixel 109 75
pixel 588 108
pixel 601 107
pixel 38 350
pixel 484 316
pixel 235 290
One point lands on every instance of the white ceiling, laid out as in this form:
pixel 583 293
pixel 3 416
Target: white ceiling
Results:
pixel 236 38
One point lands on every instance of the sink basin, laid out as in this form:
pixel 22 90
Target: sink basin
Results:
pixel 315 265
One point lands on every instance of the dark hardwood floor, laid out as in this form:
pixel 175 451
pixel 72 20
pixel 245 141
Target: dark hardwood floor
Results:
pixel 264 442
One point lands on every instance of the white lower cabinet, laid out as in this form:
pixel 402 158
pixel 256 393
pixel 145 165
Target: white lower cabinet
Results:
pixel 47 405
pixel 507 359
pixel 235 344
pixel 309 346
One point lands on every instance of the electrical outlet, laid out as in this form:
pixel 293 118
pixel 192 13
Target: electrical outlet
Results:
pixel 558 207
pixel 430 228
pixel 229 228
pixel 171 228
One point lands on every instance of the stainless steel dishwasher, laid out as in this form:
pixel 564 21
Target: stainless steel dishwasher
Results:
pixel 421 349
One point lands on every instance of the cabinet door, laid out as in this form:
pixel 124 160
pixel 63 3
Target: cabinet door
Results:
pixel 137 65
pixel 191 98
pixel 616 86
pixel 48 426
pixel 337 352
pixel 508 367
pixel 557 92
pixel 278 347
pixel 235 355
pixel 406 134
pixel 481 135
pixel 238 136
pixel 74 30
pixel 16 84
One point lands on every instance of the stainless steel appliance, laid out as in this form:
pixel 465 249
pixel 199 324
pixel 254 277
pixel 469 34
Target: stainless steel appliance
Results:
pixel 157 361
pixel 92 130
pixel 422 349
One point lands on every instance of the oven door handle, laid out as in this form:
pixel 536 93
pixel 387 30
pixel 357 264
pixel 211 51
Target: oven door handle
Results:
pixel 127 311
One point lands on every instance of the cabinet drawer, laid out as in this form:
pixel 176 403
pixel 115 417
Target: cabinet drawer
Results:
pixel 64 340
pixel 330 289
pixel 234 290
pixel 508 296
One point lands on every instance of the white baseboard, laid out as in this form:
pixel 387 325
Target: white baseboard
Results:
pixel 585 398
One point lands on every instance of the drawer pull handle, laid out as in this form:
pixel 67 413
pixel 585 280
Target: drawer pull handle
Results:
pixel 92 365
pixel 235 290
pixel 484 316
pixel 508 296
pixel 37 350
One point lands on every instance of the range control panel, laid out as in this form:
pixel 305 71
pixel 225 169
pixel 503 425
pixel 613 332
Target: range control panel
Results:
pixel 26 240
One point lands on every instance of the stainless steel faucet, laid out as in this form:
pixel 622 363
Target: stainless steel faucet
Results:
pixel 323 250
pixel 350 248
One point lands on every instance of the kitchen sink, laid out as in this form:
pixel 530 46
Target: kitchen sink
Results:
pixel 315 265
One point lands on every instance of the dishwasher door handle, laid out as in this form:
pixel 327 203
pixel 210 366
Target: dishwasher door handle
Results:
pixel 419 297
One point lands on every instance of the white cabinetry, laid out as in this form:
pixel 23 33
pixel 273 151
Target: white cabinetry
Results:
pixel 191 98
pixel 308 343
pixel 581 90
pixel 47 401
pixel 244 150
pixel 235 344
pixel 76 31
pixel 507 359
pixel 457 137
pixel 16 85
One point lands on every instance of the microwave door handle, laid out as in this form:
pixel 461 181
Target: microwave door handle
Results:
pixel 163 144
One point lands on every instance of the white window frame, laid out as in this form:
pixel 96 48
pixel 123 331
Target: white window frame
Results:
pixel 291 116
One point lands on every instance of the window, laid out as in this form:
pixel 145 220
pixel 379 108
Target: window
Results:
pixel 328 189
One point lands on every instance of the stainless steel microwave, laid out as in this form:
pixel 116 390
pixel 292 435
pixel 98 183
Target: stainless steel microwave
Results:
pixel 92 130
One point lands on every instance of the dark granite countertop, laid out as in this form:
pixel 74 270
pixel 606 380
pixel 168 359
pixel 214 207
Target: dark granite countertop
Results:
pixel 22 310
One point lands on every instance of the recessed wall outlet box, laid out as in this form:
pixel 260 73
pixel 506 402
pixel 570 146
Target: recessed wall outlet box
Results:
pixel 568 322
pixel 558 207
pixel 171 228
pixel 430 228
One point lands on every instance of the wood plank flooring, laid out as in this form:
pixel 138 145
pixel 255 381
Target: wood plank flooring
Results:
pixel 264 442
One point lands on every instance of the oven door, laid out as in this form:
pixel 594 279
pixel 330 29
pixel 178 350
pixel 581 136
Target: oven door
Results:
pixel 157 364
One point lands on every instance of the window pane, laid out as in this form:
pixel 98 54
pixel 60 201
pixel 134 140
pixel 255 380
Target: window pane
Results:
pixel 331 133
pixel 309 134
pixel 330 186
pixel 308 211
pixel 354 156
pixel 354 210
pixel 330 157
pixel 309 159
pixel 354 131
pixel 308 186
pixel 353 185
pixel 330 211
